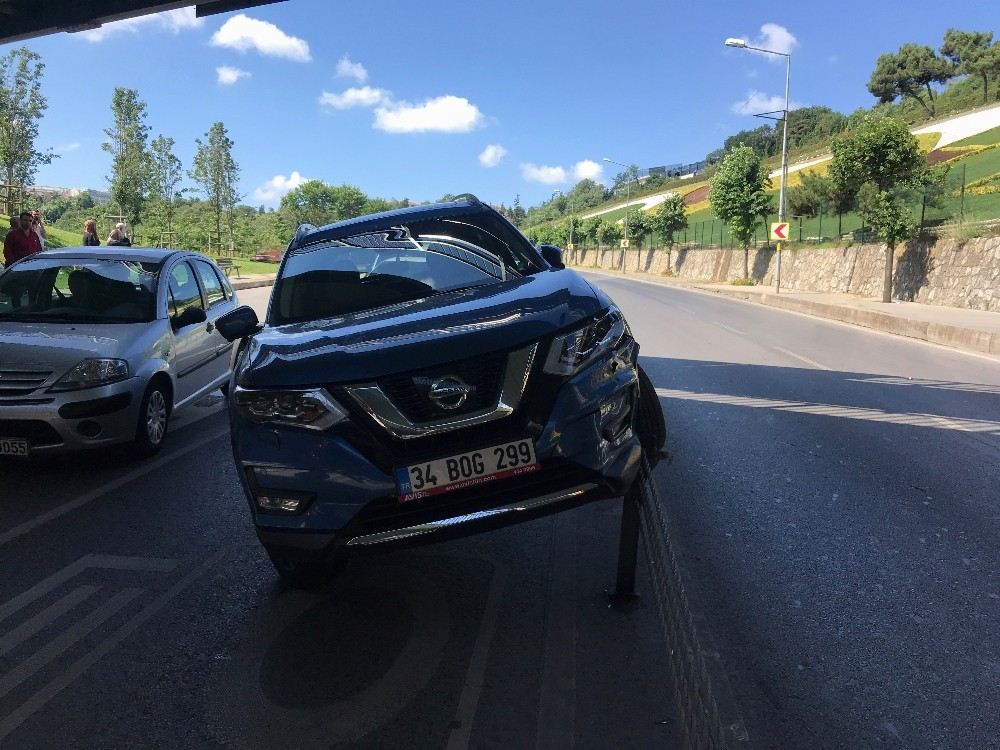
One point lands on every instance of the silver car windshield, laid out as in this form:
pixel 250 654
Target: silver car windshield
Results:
pixel 376 269
pixel 79 291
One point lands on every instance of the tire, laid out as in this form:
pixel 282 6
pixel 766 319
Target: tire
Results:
pixel 299 569
pixel 650 424
pixel 154 416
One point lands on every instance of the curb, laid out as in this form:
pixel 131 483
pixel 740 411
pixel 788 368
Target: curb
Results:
pixel 253 283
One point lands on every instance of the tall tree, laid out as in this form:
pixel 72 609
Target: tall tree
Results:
pixel 909 72
pixel 973 54
pixel 315 202
pixel 166 172
pixel 629 174
pixel 879 161
pixel 22 105
pixel 130 163
pixel 738 194
pixel 218 174
pixel 670 217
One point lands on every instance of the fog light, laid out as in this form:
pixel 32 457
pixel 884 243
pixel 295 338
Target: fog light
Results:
pixel 616 418
pixel 277 501
pixel 89 428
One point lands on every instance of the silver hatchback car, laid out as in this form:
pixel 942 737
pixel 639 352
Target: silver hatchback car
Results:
pixel 101 345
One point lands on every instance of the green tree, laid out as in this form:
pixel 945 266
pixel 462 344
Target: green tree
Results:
pixel 879 161
pixel 315 202
pixel 517 212
pixel 670 217
pixel 609 233
pixel 909 72
pixel 166 172
pixel 130 162
pixel 586 194
pixel 738 194
pixel 629 174
pixel 22 105
pixel 811 196
pixel 972 53
pixel 639 225
pixel 218 174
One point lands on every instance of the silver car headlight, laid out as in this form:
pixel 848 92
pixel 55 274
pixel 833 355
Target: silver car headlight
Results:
pixel 572 351
pixel 91 373
pixel 311 409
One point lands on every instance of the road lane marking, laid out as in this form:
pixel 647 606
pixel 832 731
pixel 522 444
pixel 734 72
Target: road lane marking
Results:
pixel 799 357
pixel 737 331
pixel 69 637
pixel 71 505
pixel 17 717
pixel 114 562
pixel 468 702
pixel 944 385
pixel 914 419
pixel 47 616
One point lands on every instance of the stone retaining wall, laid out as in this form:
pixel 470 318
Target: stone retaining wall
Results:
pixel 944 272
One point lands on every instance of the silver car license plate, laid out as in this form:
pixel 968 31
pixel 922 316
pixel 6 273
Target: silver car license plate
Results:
pixel 465 470
pixel 14 447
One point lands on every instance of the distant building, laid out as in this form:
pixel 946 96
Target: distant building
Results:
pixel 673 170
pixel 42 191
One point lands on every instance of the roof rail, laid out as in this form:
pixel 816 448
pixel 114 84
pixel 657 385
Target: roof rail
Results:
pixel 469 197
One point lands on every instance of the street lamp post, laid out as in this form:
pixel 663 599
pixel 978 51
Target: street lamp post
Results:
pixel 628 186
pixel 742 44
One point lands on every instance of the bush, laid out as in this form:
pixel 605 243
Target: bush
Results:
pixel 743 282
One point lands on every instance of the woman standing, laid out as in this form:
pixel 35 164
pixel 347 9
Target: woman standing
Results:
pixel 90 233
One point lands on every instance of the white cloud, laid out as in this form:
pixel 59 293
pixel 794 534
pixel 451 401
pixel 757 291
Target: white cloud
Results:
pixel 67 148
pixel 587 170
pixel 757 102
pixel 272 190
pixel 444 114
pixel 774 37
pixel 365 96
pixel 243 33
pixel 544 174
pixel 347 68
pixel 229 75
pixel 172 20
pixel 492 155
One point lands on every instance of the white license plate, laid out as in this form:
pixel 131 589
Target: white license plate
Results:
pixel 465 470
pixel 13 447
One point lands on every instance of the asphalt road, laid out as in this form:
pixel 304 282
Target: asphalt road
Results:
pixel 137 610
pixel 835 499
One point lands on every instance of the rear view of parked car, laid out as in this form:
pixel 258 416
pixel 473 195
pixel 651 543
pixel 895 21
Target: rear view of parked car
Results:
pixel 424 373
pixel 99 347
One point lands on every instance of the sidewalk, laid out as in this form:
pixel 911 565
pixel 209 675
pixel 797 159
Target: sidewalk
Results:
pixel 969 330
pixel 251 280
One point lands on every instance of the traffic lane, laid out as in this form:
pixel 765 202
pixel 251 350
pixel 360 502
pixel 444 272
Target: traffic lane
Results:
pixel 152 618
pixel 845 559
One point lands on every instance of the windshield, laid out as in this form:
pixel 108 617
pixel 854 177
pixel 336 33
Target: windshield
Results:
pixel 387 267
pixel 79 290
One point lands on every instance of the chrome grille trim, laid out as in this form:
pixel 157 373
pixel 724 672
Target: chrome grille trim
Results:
pixel 22 382
pixel 407 532
pixel 380 407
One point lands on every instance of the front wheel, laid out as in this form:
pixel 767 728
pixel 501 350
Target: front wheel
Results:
pixel 650 424
pixel 154 415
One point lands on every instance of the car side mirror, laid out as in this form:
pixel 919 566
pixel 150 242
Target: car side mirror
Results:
pixel 552 255
pixel 189 317
pixel 238 324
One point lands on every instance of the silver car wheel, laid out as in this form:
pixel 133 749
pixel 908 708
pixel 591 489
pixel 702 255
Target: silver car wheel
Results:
pixel 156 417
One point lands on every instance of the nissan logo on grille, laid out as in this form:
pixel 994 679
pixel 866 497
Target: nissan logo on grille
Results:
pixel 449 392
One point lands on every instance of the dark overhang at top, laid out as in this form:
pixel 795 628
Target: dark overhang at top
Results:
pixel 24 19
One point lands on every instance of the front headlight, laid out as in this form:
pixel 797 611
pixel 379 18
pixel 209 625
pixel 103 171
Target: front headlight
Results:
pixel 570 352
pixel 312 409
pixel 91 373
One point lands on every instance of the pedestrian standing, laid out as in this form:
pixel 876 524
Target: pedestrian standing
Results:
pixel 90 233
pixel 118 236
pixel 38 227
pixel 21 242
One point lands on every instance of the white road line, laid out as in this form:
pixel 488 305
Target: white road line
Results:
pixel 557 694
pixel 799 357
pixel 82 500
pixel 737 331
pixel 54 649
pixel 468 702
pixel 47 616
pixel 18 716
pixel 113 562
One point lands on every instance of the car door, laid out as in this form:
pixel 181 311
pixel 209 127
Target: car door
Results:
pixel 220 300
pixel 194 345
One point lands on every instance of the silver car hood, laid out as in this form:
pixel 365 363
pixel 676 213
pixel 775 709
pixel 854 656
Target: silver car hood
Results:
pixel 60 346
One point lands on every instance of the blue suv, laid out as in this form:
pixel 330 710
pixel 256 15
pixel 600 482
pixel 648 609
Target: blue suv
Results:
pixel 424 373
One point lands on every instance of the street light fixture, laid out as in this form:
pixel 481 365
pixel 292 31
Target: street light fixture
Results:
pixel 628 187
pixel 742 44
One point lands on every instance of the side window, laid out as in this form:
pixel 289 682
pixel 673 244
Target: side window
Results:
pixel 184 292
pixel 214 291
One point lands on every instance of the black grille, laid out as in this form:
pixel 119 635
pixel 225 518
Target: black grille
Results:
pixel 409 391
pixel 37 432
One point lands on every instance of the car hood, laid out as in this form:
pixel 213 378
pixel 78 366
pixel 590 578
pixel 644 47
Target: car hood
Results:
pixel 444 328
pixel 60 346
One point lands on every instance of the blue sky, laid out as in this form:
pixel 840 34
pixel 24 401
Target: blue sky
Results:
pixel 406 100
